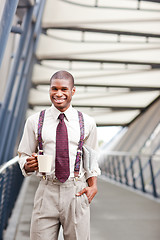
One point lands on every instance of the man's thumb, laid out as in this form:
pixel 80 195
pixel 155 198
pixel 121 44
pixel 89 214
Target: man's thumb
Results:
pixel 81 192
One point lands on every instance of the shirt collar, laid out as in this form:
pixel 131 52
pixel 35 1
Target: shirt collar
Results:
pixel 69 113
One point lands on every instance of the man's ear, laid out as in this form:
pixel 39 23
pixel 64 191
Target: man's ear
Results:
pixel 73 90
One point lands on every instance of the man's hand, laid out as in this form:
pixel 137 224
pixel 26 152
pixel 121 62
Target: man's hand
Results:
pixel 91 190
pixel 31 164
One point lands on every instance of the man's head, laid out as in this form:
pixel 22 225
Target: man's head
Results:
pixel 61 90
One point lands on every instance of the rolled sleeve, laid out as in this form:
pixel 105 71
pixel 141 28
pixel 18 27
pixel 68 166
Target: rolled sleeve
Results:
pixel 90 152
pixel 90 163
pixel 22 161
pixel 27 146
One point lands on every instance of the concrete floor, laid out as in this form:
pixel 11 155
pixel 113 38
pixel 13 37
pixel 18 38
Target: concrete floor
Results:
pixel 120 214
pixel 116 213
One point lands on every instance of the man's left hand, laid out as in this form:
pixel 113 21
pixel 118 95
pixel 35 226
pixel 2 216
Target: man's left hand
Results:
pixel 91 190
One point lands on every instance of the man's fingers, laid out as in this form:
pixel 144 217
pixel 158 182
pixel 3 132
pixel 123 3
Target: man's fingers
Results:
pixel 33 161
pixel 89 191
pixel 33 157
pixel 81 192
pixel 32 164
pixel 34 154
pixel 90 198
pixel 30 159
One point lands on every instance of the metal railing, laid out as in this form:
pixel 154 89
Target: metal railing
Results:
pixel 11 179
pixel 141 172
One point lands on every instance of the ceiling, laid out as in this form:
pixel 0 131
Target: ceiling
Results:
pixel 112 48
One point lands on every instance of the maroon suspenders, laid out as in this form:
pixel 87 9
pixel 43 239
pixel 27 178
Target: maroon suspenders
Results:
pixel 80 144
pixel 40 125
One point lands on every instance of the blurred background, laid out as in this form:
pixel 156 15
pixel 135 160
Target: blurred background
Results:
pixel 112 48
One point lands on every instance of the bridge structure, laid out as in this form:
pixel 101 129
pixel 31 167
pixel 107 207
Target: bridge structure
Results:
pixel 112 48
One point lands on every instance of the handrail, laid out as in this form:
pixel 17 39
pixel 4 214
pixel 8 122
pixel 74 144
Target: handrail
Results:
pixel 133 154
pixel 10 183
pixel 139 171
pixel 8 164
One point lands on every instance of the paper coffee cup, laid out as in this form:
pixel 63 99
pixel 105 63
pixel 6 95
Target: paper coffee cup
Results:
pixel 45 163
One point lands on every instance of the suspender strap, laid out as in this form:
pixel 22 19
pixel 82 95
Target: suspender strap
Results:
pixel 40 125
pixel 80 145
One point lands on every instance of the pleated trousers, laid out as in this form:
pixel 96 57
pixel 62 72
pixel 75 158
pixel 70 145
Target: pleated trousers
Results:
pixel 56 204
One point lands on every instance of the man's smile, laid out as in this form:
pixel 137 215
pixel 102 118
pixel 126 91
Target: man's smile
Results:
pixel 59 100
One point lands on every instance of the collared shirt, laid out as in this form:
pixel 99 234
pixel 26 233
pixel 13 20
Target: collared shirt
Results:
pixel 29 142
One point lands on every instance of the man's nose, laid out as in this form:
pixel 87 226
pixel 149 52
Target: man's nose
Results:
pixel 59 93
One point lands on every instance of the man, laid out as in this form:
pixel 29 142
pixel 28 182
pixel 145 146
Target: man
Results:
pixel 61 201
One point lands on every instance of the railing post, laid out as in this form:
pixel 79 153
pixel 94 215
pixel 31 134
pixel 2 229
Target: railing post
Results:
pixel 114 168
pixel 131 164
pixel 152 177
pixel 1 204
pixel 119 170
pixel 141 174
pixel 125 170
pixel 132 171
pixel 109 167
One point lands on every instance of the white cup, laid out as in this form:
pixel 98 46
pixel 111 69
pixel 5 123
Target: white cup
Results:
pixel 45 163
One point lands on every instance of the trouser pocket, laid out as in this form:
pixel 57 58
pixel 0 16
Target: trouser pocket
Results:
pixel 81 203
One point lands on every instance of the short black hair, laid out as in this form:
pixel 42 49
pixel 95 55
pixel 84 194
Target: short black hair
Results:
pixel 63 75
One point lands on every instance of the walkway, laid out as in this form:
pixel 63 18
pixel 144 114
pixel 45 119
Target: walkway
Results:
pixel 116 214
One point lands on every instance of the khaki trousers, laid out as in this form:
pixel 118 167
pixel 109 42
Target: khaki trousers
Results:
pixel 55 204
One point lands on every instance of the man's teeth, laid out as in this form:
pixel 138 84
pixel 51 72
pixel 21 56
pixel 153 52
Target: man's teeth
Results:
pixel 59 100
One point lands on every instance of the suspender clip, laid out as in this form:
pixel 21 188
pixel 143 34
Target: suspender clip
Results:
pixel 76 178
pixel 44 177
pixel 79 151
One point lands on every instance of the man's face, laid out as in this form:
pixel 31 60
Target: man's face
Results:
pixel 61 92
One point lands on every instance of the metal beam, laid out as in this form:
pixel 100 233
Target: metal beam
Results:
pixel 17 30
pixel 26 3
pixel 114 7
pixel 11 119
pixel 132 88
pixel 5 114
pixel 6 24
pixel 155 1
pixel 114 108
pixel 104 31
pixel 153 65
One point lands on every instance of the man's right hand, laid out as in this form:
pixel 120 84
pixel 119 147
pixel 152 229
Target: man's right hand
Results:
pixel 31 164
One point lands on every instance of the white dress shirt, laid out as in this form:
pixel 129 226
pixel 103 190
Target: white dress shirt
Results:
pixel 29 142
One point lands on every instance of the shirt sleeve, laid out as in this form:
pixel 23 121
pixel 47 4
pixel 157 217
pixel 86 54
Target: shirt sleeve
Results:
pixel 90 153
pixel 28 145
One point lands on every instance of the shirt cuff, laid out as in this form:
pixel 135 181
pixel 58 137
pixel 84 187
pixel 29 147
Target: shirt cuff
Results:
pixel 92 173
pixel 22 161
pixel 90 163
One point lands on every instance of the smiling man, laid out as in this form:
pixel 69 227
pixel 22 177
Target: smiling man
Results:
pixel 65 193
pixel 61 90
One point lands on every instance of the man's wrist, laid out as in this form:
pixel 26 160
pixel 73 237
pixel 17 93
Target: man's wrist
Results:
pixel 92 182
pixel 25 168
